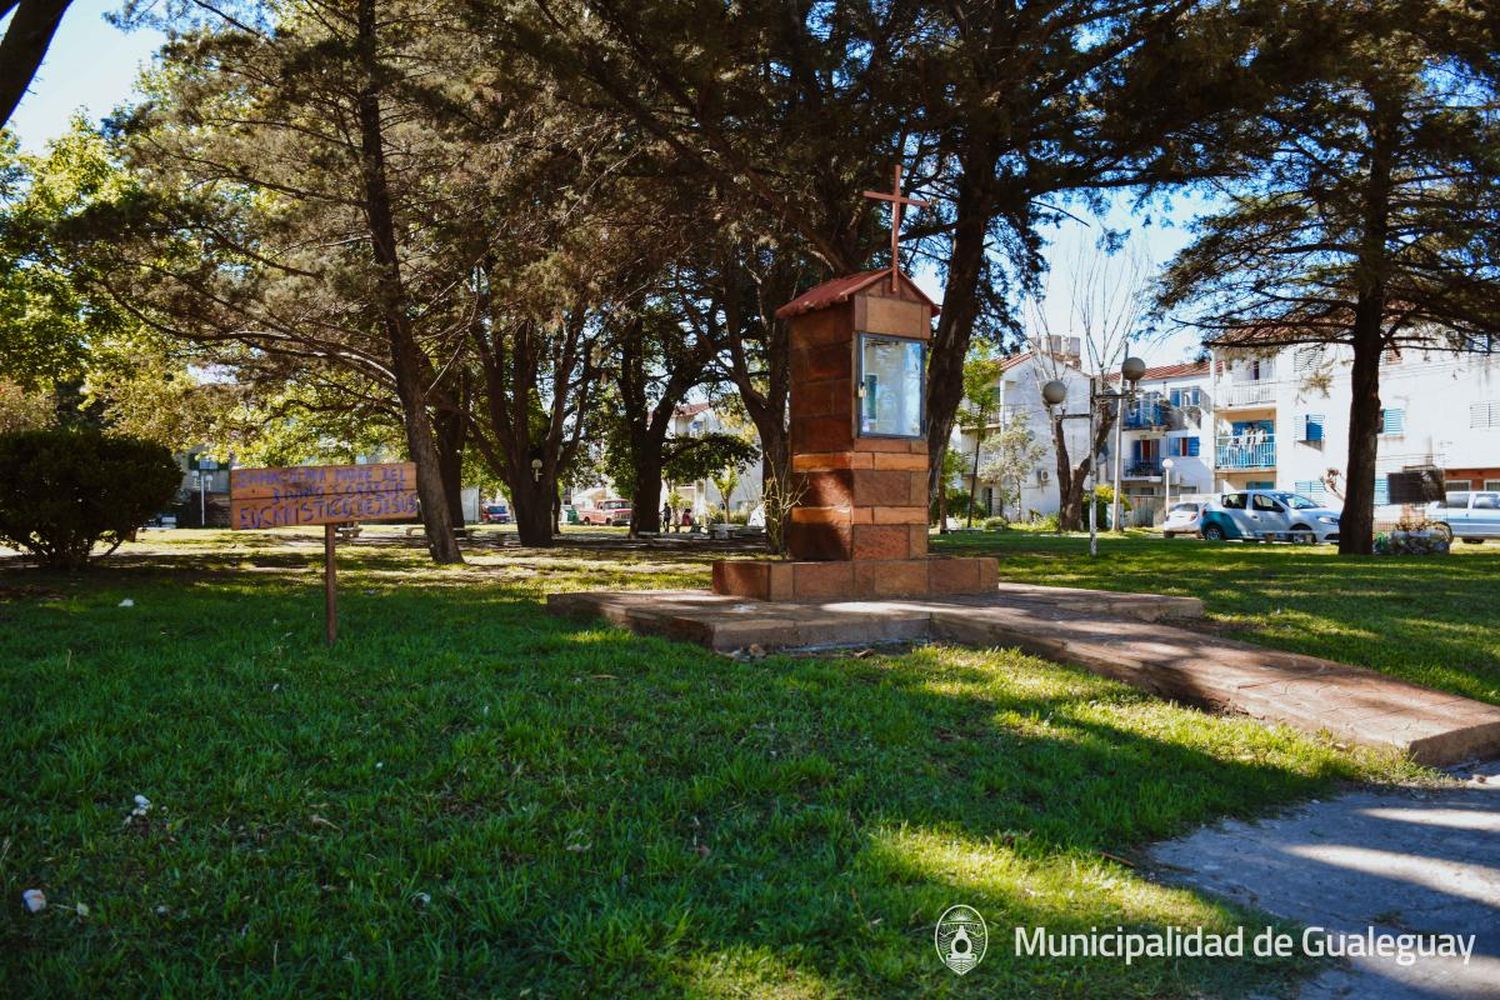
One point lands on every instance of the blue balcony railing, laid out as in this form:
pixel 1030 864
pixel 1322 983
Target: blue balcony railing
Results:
pixel 1245 451
pixel 1146 414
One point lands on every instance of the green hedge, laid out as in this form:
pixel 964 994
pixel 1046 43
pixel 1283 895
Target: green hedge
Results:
pixel 63 491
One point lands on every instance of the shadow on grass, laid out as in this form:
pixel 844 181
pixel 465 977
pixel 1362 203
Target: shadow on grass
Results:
pixel 582 810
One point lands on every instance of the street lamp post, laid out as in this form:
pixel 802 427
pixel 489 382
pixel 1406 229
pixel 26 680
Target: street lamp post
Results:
pixel 1166 467
pixel 1055 392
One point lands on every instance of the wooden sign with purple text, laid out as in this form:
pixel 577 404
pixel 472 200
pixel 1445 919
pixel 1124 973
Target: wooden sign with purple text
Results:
pixel 321 494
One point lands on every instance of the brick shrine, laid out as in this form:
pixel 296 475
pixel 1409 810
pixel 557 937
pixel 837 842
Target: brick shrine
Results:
pixel 859 453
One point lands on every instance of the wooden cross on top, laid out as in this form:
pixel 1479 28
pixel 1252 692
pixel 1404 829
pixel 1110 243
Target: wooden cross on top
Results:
pixel 897 200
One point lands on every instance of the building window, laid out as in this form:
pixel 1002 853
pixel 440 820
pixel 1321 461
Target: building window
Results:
pixel 1452 485
pixel 1183 447
pixel 1180 398
pixel 1307 358
pixel 1492 484
pixel 1392 421
pixel 1314 489
pixel 1312 428
pixel 1486 415
pixel 1260 484
pixel 1382 491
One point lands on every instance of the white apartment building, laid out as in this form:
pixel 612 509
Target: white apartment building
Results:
pixel 1283 420
pixel 1278 421
pixel 1020 399
pixel 696 420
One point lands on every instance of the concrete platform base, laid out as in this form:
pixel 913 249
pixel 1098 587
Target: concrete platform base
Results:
pixel 1114 634
pixel 853 580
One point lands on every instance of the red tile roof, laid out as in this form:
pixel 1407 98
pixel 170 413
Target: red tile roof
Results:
pixel 1169 371
pixel 843 289
pixel 1178 371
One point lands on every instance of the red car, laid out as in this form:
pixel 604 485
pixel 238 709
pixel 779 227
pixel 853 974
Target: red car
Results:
pixel 611 512
pixel 494 513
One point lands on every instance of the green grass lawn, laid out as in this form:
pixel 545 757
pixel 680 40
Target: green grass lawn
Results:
pixel 1430 620
pixel 466 797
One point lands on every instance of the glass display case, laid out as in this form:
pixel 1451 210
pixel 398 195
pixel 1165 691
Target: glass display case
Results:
pixel 891 399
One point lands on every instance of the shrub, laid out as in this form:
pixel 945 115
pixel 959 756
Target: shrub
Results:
pixel 958 504
pixel 1410 543
pixel 1104 498
pixel 996 524
pixel 62 492
pixel 1049 522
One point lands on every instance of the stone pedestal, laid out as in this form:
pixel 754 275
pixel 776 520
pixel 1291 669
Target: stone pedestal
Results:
pixel 859 453
pixel 854 579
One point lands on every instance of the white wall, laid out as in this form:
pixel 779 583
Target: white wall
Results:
pixel 1435 392
pixel 1189 473
pixel 1021 399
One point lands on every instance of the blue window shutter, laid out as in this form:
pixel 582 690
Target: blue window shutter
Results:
pixel 1176 397
pixel 1315 427
pixel 1382 491
pixel 1392 421
pixel 1193 446
pixel 1136 449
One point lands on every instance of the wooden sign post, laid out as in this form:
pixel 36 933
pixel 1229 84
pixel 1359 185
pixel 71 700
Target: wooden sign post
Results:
pixel 329 495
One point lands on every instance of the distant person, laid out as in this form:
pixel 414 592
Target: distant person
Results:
pixel 666 516
pixel 687 518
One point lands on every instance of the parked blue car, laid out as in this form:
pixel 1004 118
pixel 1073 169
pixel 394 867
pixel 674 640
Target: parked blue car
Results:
pixel 1268 515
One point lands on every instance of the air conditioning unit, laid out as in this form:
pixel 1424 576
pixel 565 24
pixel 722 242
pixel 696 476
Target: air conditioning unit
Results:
pixel 1043 477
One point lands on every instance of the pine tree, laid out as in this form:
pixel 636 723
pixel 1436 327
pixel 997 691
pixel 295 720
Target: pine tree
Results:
pixel 1369 212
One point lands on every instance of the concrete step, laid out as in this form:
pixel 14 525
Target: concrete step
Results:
pixel 1123 636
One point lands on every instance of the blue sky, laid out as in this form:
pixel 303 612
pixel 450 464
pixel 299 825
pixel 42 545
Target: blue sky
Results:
pixel 92 67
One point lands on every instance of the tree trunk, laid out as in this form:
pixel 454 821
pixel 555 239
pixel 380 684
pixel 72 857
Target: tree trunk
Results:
pixel 974 475
pixel 942 508
pixel 1069 481
pixel 645 500
pixel 450 428
pixel 406 359
pixel 1357 523
pixel 775 461
pixel 955 328
pixel 531 506
pixel 767 409
pixel 25 45
pixel 1070 514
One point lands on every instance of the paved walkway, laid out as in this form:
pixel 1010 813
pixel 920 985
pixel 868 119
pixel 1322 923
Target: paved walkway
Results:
pixel 1124 636
pixel 1418 861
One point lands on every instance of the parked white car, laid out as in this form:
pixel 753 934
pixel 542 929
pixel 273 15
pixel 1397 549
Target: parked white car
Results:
pixel 1184 518
pixel 1470 516
pixel 1269 515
